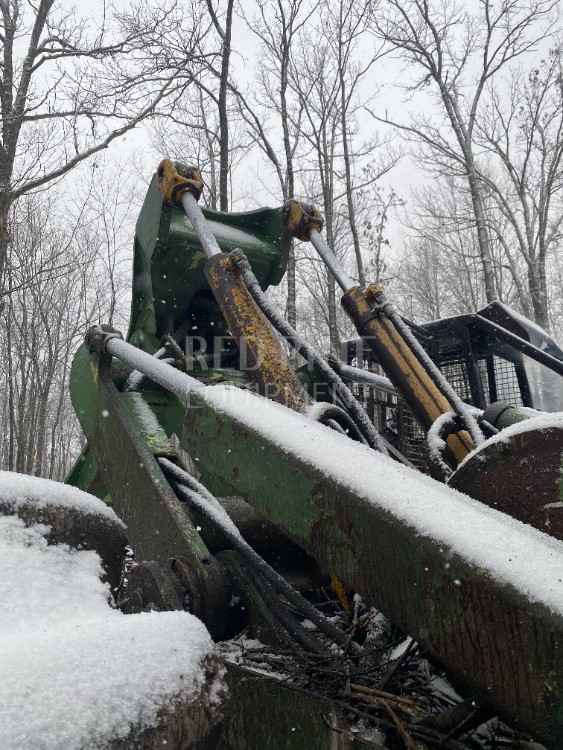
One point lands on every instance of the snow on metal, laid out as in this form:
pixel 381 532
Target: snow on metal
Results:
pixel 544 421
pixel 75 672
pixel 20 489
pixel 515 553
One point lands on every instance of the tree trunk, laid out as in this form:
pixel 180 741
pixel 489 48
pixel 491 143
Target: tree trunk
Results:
pixel 332 319
pixel 11 397
pixel 482 234
pixel 349 186
pixel 223 114
pixel 537 282
pixel 288 189
pixel 291 306
pixel 332 305
pixel 5 204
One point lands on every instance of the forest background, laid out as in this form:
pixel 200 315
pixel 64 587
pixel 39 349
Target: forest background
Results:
pixel 428 132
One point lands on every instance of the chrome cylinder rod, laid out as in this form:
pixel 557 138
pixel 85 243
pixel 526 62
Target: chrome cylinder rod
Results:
pixel 342 278
pixel 160 372
pixel 356 375
pixel 200 225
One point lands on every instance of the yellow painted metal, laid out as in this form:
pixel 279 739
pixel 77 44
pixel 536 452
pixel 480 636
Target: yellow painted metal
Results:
pixel 403 367
pixel 266 361
pixel 175 179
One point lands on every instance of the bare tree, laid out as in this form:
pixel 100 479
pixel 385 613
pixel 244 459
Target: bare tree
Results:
pixel 458 50
pixel 336 165
pixel 190 134
pixel 374 208
pixel 521 130
pixel 224 32
pixel 315 81
pixel 47 280
pixel 81 85
pixel 277 25
pixel 63 274
pixel 441 266
pixel 106 221
pixel 349 22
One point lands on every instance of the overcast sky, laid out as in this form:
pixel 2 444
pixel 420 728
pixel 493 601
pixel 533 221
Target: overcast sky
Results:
pixel 137 145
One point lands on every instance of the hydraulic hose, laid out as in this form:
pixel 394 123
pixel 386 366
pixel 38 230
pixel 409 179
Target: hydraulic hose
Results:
pixel 459 407
pixel 373 438
pixel 196 493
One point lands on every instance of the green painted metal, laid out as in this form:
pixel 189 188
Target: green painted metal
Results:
pixel 169 413
pixel 493 641
pixel 86 403
pixel 85 397
pixel 124 435
pixel 511 415
pixel 150 429
pixel 84 474
pixel 487 634
pixel 168 261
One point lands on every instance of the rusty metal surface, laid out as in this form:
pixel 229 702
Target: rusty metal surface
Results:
pixel 174 179
pixel 302 219
pixel 519 475
pixel 266 362
pixel 403 368
pixel 503 649
pixel 268 540
pixel 124 440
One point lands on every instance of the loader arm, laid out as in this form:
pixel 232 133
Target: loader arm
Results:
pixel 233 492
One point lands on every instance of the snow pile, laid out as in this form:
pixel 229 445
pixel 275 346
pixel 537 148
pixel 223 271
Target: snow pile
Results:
pixel 76 674
pixel 18 489
pixel 519 555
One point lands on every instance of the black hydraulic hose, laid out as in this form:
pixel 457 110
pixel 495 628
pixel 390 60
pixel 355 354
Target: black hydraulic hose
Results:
pixel 361 418
pixel 330 413
pixel 445 425
pixel 286 618
pixel 437 376
pixel 335 426
pixel 196 493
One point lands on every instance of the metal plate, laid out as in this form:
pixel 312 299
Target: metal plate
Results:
pixel 519 475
